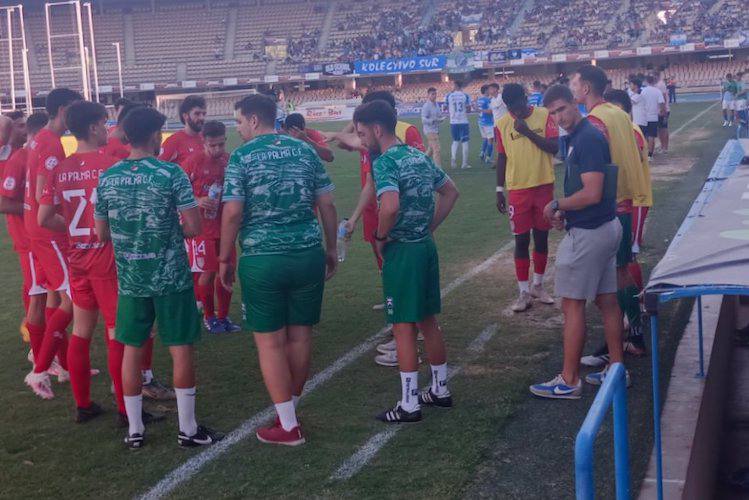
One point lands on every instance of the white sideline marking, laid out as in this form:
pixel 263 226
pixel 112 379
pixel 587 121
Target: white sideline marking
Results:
pixel 693 119
pixel 191 467
pixel 366 452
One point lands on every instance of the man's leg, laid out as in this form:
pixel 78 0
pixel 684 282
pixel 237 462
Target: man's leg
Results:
pixel 573 338
pixel 454 153
pixel 540 259
pixel 84 322
pixel 35 322
pixel 408 364
pixel 522 270
pixel 651 145
pixel 184 387
pixel 54 333
pixel 206 294
pixel 612 325
pixel 274 365
pixel 298 354
pixel 663 137
pixel 132 359
pixel 115 353
pixel 465 145
pixel 490 150
pixel 434 343
pixel 434 144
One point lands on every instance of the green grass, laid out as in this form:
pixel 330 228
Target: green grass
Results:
pixel 450 454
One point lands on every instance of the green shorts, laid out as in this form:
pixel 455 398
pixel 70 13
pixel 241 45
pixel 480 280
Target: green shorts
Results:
pixel 624 254
pixel 176 316
pixel 282 289
pixel 411 281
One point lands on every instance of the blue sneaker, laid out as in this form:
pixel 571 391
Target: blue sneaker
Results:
pixel 597 378
pixel 229 326
pixel 557 388
pixel 213 325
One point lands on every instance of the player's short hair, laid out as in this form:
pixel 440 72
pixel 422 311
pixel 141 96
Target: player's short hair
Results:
pixel 213 129
pixel 295 120
pixel 379 95
pixel 729 75
pixel 141 123
pixel 81 115
pixel 484 88
pixel 126 109
pixel 619 97
pixel 377 113
pixel 595 76
pixel 458 83
pixel 650 79
pixel 557 92
pixel 637 82
pixel 536 84
pixel 36 121
pixel 189 103
pixel 259 105
pixel 60 98
pixel 431 89
pixel 121 102
pixel 513 94
pixel 16 114
pixel 494 85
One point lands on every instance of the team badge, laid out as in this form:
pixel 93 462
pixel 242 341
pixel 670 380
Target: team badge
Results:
pixel 9 183
pixel 51 163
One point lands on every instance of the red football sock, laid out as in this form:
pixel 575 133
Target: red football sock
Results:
pixel 36 337
pixel 25 297
pixel 205 295
pixel 539 262
pixel 522 269
pixel 48 312
pixel 147 354
pixel 636 272
pixel 54 333
pixel 80 371
pixel 62 351
pixel 224 301
pixel 115 351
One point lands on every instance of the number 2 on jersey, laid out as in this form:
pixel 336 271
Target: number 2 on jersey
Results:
pixel 80 194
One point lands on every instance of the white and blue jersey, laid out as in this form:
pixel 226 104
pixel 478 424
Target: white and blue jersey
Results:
pixel 536 99
pixel 484 104
pixel 457 106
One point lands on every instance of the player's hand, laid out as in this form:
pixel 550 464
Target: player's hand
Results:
pixel 350 226
pixel 379 248
pixel 549 213
pixel 331 263
pixel 226 275
pixel 501 203
pixel 522 127
pixel 207 204
pixel 557 221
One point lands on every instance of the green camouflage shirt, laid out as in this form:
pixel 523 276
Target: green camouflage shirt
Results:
pixel 141 199
pixel 277 178
pixel 414 176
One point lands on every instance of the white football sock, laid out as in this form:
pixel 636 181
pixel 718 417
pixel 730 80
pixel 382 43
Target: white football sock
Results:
pixel 147 376
pixel 410 391
pixel 538 279
pixel 295 400
pixel 134 410
pixel 465 153
pixel 524 286
pixel 287 415
pixel 439 380
pixel 186 410
pixel 454 151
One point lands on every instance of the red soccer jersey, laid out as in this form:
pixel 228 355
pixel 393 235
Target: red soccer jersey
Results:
pixel 44 156
pixel 12 187
pixel 180 146
pixel 73 186
pixel 204 172
pixel 116 148
pixel 316 136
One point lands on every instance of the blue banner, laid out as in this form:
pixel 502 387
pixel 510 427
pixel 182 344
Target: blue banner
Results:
pixel 402 65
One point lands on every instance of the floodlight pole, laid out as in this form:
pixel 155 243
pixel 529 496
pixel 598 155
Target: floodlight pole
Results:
pixel 82 51
pixel 9 19
pixel 49 46
pixel 25 63
pixel 93 49
pixel 119 67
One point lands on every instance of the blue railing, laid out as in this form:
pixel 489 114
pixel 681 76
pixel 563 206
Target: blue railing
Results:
pixel 613 390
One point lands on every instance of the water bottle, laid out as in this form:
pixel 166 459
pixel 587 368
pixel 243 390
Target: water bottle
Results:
pixel 343 242
pixel 214 193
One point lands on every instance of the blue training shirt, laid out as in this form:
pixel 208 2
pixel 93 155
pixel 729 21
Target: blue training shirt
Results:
pixel 484 104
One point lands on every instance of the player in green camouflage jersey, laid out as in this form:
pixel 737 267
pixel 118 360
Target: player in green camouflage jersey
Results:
pixel 271 188
pixel 406 181
pixel 139 203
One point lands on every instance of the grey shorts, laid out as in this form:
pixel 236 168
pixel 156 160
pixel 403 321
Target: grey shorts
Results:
pixel 586 262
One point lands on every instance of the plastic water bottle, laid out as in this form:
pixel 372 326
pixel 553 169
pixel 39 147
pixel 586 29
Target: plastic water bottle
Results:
pixel 214 193
pixel 343 242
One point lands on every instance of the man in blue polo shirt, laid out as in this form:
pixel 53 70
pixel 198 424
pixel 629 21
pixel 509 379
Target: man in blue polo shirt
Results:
pixel 586 257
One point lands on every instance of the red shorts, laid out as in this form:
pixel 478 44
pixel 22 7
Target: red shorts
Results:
pixel 93 294
pixel 203 254
pixel 31 271
pixel 369 224
pixel 526 208
pixel 639 214
pixel 54 264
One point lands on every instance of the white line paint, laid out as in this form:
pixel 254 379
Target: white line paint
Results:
pixel 363 455
pixel 693 119
pixel 191 467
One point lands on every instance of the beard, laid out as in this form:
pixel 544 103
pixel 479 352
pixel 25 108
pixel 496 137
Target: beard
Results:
pixel 195 126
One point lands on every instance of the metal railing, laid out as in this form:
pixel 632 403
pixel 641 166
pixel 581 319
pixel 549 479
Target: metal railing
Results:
pixel 612 391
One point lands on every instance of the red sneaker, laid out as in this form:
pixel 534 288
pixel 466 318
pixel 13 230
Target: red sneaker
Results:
pixel 277 435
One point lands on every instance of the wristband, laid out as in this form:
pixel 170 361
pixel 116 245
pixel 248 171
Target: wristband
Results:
pixel 500 189
pixel 377 237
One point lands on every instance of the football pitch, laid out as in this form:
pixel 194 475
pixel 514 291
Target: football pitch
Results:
pixel 497 441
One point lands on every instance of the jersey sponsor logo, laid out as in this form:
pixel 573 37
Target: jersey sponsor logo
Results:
pixel 51 163
pixel 9 184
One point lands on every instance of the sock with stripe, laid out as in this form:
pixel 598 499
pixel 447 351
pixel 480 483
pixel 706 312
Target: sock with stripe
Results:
pixel 80 370
pixel 410 391
pixel 186 410
pixel 439 380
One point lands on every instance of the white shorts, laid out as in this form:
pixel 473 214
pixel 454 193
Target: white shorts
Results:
pixel 729 105
pixel 739 104
pixel 487 131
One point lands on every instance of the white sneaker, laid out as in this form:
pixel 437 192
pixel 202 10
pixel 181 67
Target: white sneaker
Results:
pixel 55 370
pixel 387 347
pixel 378 307
pixel 455 165
pixel 522 303
pixel 420 337
pixel 30 356
pixel 539 293
pixel 389 358
pixel 725 123
pixel 40 384
pixel 466 167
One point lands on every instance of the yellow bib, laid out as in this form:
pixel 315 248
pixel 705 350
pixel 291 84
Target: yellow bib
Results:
pixel 625 154
pixel 527 165
pixel 400 130
pixel 647 200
